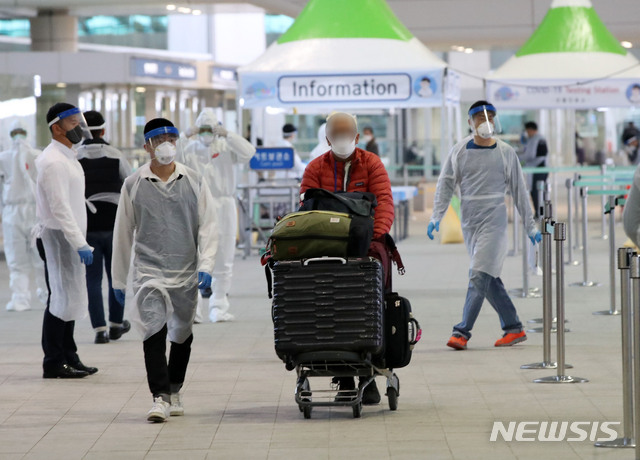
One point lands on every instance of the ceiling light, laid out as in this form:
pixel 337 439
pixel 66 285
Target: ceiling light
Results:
pixel 196 12
pixel 171 7
pixel 626 44
pixel 61 85
pixel 140 89
pixel 184 10
pixel 468 50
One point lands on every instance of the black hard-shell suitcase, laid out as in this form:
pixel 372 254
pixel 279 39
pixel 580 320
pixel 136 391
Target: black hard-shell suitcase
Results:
pixel 328 304
pixel 402 331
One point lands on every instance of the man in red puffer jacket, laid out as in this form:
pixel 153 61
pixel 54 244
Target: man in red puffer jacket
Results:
pixel 350 169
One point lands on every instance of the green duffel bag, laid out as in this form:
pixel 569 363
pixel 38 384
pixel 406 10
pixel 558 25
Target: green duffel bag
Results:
pixel 306 234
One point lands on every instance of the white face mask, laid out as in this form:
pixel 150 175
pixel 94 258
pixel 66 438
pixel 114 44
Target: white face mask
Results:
pixel 165 153
pixel 485 130
pixel 343 147
pixel 207 138
pixel 368 138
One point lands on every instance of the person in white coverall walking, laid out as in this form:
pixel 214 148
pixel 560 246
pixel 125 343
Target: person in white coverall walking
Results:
pixel 18 175
pixel 215 154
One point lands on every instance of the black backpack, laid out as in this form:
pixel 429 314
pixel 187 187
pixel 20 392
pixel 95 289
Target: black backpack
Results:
pixel 359 205
pixel 402 331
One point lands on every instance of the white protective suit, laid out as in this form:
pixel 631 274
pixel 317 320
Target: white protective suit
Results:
pixel 298 166
pixel 631 215
pixel 18 176
pixel 484 176
pixel 171 229
pixel 216 163
pixel 323 146
pixel 62 226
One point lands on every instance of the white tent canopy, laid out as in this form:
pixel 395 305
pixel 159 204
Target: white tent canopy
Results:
pixel 316 63
pixel 571 61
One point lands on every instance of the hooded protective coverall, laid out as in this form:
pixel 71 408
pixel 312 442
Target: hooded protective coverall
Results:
pixel 323 146
pixel 18 175
pixel 484 175
pixel 216 161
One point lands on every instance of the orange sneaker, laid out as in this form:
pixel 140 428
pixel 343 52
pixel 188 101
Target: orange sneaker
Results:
pixel 511 339
pixel 457 342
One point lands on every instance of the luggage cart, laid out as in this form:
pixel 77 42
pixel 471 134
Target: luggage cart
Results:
pixel 339 364
pixel 328 316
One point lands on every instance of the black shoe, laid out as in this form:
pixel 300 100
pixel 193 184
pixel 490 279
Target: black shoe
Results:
pixel 116 332
pixel 65 372
pixel 371 395
pixel 81 367
pixel 101 337
pixel 346 389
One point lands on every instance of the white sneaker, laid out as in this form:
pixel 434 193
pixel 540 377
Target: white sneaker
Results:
pixel 218 316
pixel 159 411
pixel 18 306
pixel 177 409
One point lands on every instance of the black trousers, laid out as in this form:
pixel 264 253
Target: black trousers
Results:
pixel 162 376
pixel 534 191
pixel 57 335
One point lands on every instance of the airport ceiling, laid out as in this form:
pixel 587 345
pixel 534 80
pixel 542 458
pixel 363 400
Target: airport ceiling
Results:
pixel 438 23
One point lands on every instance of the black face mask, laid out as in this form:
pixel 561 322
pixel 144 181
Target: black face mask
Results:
pixel 75 135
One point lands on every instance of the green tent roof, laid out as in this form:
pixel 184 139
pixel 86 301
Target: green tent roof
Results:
pixel 346 19
pixel 571 29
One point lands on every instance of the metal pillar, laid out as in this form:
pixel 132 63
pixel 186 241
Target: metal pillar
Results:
pixel 559 237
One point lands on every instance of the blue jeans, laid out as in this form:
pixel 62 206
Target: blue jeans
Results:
pixel 481 286
pixel 102 242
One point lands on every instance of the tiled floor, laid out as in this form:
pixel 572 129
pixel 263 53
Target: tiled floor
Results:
pixel 239 397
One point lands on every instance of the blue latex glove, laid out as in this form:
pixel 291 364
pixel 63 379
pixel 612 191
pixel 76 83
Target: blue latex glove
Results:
pixel 204 280
pixel 86 255
pixel 431 228
pixel 120 295
pixel 536 239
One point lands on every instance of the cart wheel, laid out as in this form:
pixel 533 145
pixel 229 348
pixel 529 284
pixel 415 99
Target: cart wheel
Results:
pixel 357 410
pixel 307 411
pixel 392 395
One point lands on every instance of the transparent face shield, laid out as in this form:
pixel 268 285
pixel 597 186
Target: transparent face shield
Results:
pixel 73 123
pixel 484 121
pixel 162 141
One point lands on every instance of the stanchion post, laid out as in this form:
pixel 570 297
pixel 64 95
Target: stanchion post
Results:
pixel 613 309
pixel 603 202
pixel 547 292
pixel 540 190
pixel 516 226
pixel 559 232
pixel 570 223
pixel 525 292
pixel 627 439
pixel 635 286
pixel 576 215
pixel 584 193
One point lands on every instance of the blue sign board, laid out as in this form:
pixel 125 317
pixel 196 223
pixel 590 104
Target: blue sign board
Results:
pixel 272 158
